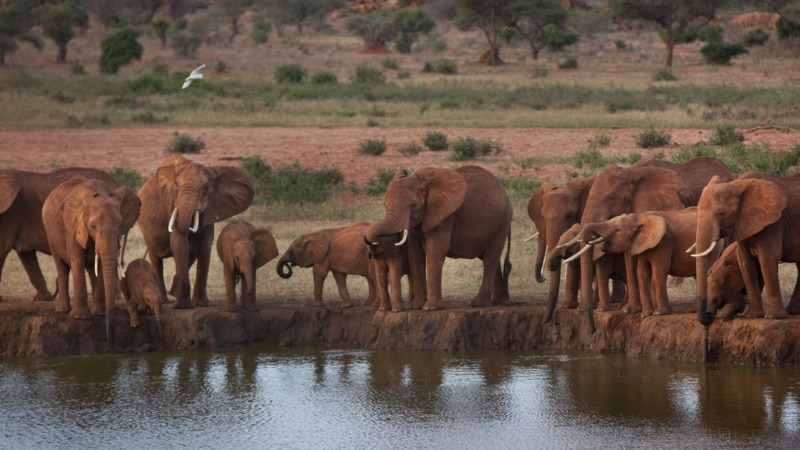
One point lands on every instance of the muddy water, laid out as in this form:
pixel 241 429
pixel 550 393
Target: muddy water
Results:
pixel 315 398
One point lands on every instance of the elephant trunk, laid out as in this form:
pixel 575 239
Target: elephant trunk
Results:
pixel 587 276
pixel 284 268
pixel 155 301
pixel 552 293
pixel 391 224
pixel 541 252
pixel 186 215
pixel 108 261
pixel 704 241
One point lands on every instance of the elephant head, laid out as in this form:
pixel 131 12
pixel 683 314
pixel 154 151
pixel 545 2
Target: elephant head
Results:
pixel 304 251
pixel 737 209
pixel 726 290
pixel 97 218
pixel 535 206
pixel 142 289
pixel 422 200
pixel 634 232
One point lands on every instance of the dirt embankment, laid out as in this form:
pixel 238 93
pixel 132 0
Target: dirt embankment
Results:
pixel 37 330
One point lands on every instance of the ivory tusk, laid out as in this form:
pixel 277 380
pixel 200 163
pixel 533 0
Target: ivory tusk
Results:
pixel 403 240
pixel 577 255
pixel 96 258
pixel 568 243
pixel 596 240
pixel 196 223
pixel 172 219
pixel 689 250
pixel 541 269
pixel 705 253
pixel 532 237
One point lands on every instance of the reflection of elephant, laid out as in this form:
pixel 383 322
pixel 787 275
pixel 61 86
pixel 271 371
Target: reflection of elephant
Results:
pixel 660 240
pixel 392 260
pixel 243 248
pixel 338 250
pixel 461 213
pixel 180 205
pixel 21 228
pixel 656 186
pixel 143 291
pixel 85 221
pixel 760 212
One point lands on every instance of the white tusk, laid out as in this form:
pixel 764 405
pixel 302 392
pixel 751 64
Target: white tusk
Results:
pixel 196 223
pixel 96 258
pixel 568 243
pixel 541 269
pixel 530 238
pixel 689 250
pixel 577 255
pixel 596 240
pixel 705 253
pixel 403 240
pixel 172 219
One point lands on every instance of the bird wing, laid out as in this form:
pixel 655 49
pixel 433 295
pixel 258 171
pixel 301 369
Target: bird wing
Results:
pixel 187 83
pixel 196 72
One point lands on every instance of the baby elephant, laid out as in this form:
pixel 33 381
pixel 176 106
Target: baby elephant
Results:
pixel 337 250
pixel 392 260
pixel 243 248
pixel 143 290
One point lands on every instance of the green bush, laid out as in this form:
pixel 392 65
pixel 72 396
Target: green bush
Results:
pixel 719 53
pixel 726 134
pixel 261 29
pixel 324 77
pixel 568 62
pixel 755 37
pixel 375 147
pixel 128 177
pixel 435 141
pixel 183 143
pixel 368 75
pixel 443 66
pixel 664 74
pixel 292 184
pixel 289 73
pixel 410 149
pixel 653 139
pixel 710 33
pixel 377 185
pixel 468 148
pixel 409 24
pixel 740 158
pixel 119 49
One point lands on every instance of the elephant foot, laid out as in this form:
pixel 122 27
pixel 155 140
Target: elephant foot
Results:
pixel 480 302
pixel 346 305
pixel 604 307
pixel 99 311
pixel 663 311
pixel 183 303
pixel 647 312
pixel 569 305
pixel 231 308
pixel 80 313
pixel 632 309
pixel 398 309
pixel 776 313
pixel 753 313
pixel 791 309
pixel 433 306
pixel 201 302
pixel 41 297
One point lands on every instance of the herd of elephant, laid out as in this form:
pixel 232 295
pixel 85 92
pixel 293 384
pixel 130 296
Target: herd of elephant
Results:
pixel 630 227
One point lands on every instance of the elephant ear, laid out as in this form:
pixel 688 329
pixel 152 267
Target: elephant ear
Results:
pixel 130 205
pixel 231 193
pixel 73 208
pixel 266 248
pixel 652 229
pixel 536 203
pixel 9 188
pixel 315 249
pixel 167 173
pixel 446 191
pixel 762 204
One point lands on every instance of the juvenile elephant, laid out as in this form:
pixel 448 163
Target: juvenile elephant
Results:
pixel 390 260
pixel 85 220
pixel 337 250
pixel 180 205
pixel 243 249
pixel 461 213
pixel 22 195
pixel 143 291
pixel 659 239
pixel 656 186
pixel 761 213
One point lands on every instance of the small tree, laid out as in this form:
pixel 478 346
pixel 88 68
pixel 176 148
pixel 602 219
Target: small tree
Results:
pixel 119 49
pixel 530 18
pixel 160 28
pixel 16 21
pixel 375 28
pixel 300 12
pixel 57 21
pixel 488 15
pixel 187 37
pixel 409 24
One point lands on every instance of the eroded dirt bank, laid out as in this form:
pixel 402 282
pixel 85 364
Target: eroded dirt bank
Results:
pixel 36 330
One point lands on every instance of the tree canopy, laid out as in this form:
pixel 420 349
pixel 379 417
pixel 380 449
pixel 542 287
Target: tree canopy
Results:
pixel 16 21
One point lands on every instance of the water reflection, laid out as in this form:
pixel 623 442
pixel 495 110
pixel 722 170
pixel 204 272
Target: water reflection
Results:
pixel 362 399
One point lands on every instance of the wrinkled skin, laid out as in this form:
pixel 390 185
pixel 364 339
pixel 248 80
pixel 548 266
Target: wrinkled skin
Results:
pixel 337 250
pixel 85 220
pixel 660 240
pixel 243 249
pixel 391 263
pixel 188 194
pixel 652 186
pixel 761 213
pixel 461 213
pixel 22 195
pixel 143 291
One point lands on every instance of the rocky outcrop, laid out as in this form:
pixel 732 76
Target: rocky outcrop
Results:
pixel 36 330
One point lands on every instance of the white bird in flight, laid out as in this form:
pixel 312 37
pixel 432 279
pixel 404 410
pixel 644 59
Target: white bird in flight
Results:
pixel 195 75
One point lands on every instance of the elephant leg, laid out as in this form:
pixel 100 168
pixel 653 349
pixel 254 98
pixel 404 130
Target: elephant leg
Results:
pixel 382 285
pixel 341 284
pixel 658 284
pixel 98 307
pixel 158 266
pixel 80 295
pixel 372 294
pixel 319 272
pixel 772 288
pixel 31 265
pixel 602 277
pixel 572 284
pixel 417 275
pixel 500 295
pixel 230 289
pixel 180 283
pixel 62 299
pixel 396 278
pixel 748 266
pixel 794 302
pixel 619 294
pixel 435 251
pixel 634 304
pixel 644 276
pixel 200 293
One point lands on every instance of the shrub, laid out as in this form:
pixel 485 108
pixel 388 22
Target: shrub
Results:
pixel 468 148
pixel 160 27
pixel 323 77
pixel 664 74
pixel 435 141
pixel 368 75
pixel 119 49
pixel 375 28
pixel 289 73
pixel 755 37
pixel 726 134
pixel 443 66
pixel 377 185
pixel 375 147
pixel 186 37
pixel 740 158
pixel 183 143
pixel 568 63
pixel 261 29
pixel 128 177
pixel 292 184
pixel 710 33
pixel 409 24
pixel 410 149
pixel 719 53
pixel 620 44
pixel 653 139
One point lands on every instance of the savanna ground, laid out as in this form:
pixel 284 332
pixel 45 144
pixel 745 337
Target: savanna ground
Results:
pixel 317 135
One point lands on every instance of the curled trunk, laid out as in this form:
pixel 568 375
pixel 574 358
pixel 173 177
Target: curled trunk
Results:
pixel 284 269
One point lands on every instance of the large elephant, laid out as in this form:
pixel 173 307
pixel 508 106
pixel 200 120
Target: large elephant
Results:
pixel 180 205
pixel 655 186
pixel 85 220
pixel 660 240
pixel 461 213
pixel 338 250
pixel 22 195
pixel 142 290
pixel 243 248
pixel 761 213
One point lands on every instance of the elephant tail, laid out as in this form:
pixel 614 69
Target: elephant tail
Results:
pixel 507 267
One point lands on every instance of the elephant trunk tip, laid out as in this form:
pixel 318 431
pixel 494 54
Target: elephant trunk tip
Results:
pixel 705 318
pixel 284 270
